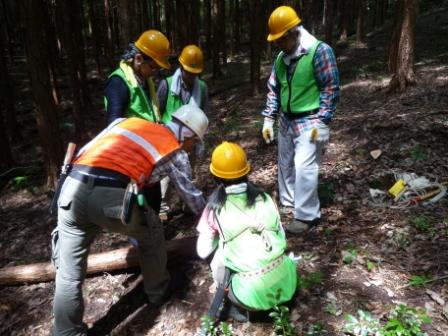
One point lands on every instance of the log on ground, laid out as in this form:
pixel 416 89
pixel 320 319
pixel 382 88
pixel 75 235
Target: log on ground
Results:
pixel 115 260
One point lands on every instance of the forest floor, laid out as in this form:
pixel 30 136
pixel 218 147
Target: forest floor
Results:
pixel 361 256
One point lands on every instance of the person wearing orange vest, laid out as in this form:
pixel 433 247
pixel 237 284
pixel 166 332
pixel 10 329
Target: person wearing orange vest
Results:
pixel 303 92
pixel 98 194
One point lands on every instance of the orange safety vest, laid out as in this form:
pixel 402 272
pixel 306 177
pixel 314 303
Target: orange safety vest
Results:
pixel 129 146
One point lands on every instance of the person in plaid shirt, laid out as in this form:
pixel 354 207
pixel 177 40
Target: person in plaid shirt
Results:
pixel 303 91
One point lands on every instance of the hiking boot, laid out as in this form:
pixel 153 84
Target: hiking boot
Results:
pixel 286 210
pixel 297 226
pixel 230 311
pixel 177 280
pixel 237 315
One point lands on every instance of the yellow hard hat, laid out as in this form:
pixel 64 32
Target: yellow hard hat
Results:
pixel 155 45
pixel 229 161
pixel 282 19
pixel 192 59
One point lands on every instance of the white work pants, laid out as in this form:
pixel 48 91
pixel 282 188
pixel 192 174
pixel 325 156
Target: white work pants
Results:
pixel 299 159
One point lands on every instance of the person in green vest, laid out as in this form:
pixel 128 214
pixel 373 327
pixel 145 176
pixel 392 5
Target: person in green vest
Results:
pixel 303 91
pixel 183 87
pixel 130 91
pixel 242 224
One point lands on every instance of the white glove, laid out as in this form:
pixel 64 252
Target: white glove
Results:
pixel 268 130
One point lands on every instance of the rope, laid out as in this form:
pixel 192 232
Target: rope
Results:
pixel 418 190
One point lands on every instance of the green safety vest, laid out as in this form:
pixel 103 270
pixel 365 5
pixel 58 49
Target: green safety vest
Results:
pixel 139 106
pixel 301 93
pixel 256 256
pixel 173 102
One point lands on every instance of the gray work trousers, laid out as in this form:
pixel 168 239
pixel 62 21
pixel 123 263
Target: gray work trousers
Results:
pixel 83 211
pixel 299 159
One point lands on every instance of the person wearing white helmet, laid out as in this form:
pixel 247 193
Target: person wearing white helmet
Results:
pixel 102 192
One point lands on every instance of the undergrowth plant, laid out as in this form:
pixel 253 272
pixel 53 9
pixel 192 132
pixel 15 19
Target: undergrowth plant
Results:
pixel 363 325
pixel 313 278
pixel 209 327
pixel 405 321
pixel 280 315
pixel 418 280
pixel 316 329
pixel 282 322
pixel 423 224
pixel 401 321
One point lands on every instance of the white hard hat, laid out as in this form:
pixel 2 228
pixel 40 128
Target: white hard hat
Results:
pixel 194 118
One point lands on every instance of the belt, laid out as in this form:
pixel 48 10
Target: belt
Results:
pixel 298 115
pixel 99 177
pixel 266 269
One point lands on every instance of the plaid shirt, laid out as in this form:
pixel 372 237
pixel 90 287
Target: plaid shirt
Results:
pixel 177 167
pixel 327 78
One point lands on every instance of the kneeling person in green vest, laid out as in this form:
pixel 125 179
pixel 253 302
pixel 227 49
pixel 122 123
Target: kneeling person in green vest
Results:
pixel 107 174
pixel 242 223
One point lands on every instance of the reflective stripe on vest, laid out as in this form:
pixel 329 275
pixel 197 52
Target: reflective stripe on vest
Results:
pixel 245 249
pixel 138 139
pixel 131 146
pixel 139 105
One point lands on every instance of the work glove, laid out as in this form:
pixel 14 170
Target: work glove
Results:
pixel 268 130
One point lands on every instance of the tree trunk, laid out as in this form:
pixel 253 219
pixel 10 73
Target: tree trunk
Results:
pixel 237 24
pixel 115 260
pixel 6 94
pixel 37 61
pixel 53 48
pixel 216 42
pixel 6 159
pixel 128 22
pixel 222 32
pixel 169 21
pixel 8 29
pixel 344 20
pixel 95 37
pixel 255 15
pixel 156 14
pixel 402 49
pixel 70 47
pixel 208 27
pixel 360 36
pixel 182 23
pixel 109 44
pixel 328 21
pixel 195 19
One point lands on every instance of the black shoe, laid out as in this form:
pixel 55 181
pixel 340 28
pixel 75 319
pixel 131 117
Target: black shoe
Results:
pixel 177 281
pixel 230 311
pixel 297 226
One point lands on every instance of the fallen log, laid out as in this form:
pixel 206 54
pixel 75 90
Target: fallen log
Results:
pixel 119 259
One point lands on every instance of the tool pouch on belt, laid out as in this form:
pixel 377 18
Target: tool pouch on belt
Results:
pixel 129 201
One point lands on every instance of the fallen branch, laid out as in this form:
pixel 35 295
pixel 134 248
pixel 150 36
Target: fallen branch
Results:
pixel 115 260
